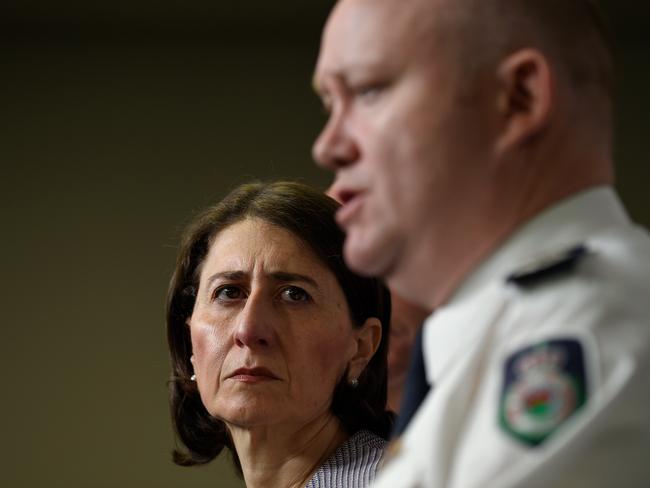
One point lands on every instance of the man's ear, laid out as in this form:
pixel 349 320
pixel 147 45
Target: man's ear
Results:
pixel 525 97
pixel 367 342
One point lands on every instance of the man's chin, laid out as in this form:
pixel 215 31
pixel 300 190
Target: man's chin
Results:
pixel 365 256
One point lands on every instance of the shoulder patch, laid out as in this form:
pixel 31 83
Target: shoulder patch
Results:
pixel 543 386
pixel 547 267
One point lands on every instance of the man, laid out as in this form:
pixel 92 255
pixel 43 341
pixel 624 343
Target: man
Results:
pixel 472 141
pixel 405 322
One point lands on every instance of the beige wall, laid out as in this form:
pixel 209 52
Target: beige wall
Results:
pixel 110 137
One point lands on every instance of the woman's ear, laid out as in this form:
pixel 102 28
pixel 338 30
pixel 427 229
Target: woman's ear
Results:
pixel 525 97
pixel 368 338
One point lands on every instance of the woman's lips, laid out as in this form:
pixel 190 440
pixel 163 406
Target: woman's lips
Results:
pixel 252 375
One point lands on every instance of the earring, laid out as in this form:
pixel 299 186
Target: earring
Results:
pixel 193 377
pixel 354 382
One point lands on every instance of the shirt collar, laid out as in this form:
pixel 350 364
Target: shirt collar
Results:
pixel 564 224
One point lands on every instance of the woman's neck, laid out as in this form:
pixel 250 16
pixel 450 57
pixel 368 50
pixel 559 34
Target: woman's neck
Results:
pixel 286 456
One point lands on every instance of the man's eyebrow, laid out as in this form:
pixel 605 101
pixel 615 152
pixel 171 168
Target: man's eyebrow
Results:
pixel 286 276
pixel 315 85
pixel 319 87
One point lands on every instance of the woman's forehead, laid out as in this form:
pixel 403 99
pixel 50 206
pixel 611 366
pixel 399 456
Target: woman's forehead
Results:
pixel 254 245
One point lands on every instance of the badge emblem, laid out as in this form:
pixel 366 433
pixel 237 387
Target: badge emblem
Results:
pixel 543 386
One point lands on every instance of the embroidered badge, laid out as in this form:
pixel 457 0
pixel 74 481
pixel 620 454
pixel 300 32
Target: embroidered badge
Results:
pixel 543 386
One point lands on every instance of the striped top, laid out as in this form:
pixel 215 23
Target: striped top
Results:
pixel 353 464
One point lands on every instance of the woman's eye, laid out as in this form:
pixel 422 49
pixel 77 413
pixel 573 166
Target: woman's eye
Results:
pixel 226 293
pixel 295 294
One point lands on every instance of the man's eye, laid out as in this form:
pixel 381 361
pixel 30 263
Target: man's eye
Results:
pixel 295 294
pixel 327 107
pixel 226 293
pixel 368 93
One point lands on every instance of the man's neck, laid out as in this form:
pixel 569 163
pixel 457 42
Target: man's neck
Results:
pixel 435 267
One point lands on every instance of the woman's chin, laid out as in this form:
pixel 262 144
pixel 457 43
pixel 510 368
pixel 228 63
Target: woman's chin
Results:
pixel 248 415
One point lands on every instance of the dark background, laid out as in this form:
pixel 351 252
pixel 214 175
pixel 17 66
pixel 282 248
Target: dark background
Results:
pixel 119 120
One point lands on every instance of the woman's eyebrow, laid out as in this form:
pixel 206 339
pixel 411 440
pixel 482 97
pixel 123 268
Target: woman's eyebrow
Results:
pixel 228 275
pixel 285 276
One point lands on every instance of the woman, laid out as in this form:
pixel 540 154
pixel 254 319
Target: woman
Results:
pixel 278 350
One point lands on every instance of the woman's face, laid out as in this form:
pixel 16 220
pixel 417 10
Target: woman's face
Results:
pixel 271 332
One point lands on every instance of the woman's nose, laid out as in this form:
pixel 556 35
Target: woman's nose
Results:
pixel 254 327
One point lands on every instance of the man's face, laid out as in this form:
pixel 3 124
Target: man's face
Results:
pixel 397 134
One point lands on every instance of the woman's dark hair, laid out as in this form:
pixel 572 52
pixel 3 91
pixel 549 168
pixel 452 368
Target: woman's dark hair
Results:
pixel 309 216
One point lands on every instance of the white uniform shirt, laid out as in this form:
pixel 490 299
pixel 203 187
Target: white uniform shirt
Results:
pixel 546 382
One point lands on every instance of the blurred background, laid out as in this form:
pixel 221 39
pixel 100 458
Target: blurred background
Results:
pixel 119 120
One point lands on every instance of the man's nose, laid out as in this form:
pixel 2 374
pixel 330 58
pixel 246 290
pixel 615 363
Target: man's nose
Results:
pixel 335 147
pixel 254 327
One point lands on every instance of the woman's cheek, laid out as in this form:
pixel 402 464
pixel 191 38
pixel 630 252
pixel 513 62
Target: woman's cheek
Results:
pixel 209 360
pixel 200 341
pixel 206 349
pixel 323 351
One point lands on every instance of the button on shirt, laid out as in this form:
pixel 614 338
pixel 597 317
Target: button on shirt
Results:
pixel 541 369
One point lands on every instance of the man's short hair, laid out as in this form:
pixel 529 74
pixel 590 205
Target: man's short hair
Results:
pixel 571 33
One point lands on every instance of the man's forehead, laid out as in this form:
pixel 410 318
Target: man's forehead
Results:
pixel 395 14
pixel 362 34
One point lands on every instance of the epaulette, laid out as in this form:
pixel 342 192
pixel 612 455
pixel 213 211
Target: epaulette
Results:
pixel 548 267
